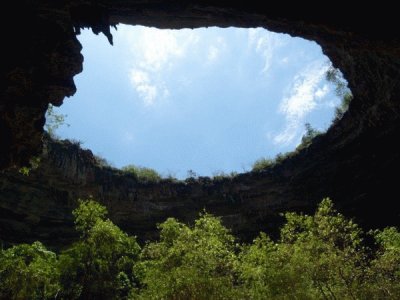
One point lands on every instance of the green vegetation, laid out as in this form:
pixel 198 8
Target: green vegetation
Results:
pixel 322 256
pixel 308 137
pixel 100 264
pixel 102 162
pixel 53 121
pixel 34 163
pixel 342 91
pixel 142 173
pixel 221 175
pixel 262 164
pixel 189 263
pixel 28 272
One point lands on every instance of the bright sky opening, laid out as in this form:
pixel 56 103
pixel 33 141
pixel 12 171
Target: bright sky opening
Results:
pixel 208 100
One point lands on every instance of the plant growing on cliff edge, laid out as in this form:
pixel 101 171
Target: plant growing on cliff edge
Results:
pixel 102 162
pixel 308 136
pixel 142 173
pixel 34 163
pixel 341 89
pixel 262 164
pixel 54 121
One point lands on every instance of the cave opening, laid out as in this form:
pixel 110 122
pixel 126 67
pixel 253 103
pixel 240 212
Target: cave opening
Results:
pixel 203 102
pixel 353 163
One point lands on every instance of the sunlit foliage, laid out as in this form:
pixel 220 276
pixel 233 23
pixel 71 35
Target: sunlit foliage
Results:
pixel 320 256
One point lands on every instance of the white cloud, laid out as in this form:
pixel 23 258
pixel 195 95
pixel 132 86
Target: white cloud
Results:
pixel 265 44
pixel 154 51
pixel 215 50
pixel 288 135
pixel 301 100
pixel 158 47
pixel 147 90
pixel 285 60
pixel 321 92
pixel 213 53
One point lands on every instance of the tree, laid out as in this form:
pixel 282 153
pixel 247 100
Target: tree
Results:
pixel 28 272
pixel 100 264
pixel 384 273
pixel 317 257
pixel 189 262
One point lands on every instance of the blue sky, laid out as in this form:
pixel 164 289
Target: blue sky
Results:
pixel 208 100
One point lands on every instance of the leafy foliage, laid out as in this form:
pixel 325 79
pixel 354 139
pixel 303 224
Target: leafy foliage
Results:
pixel 99 266
pixel 384 272
pixel 336 77
pixel 53 121
pixel 34 163
pixel 262 164
pixel 87 214
pixel 344 106
pixel 265 163
pixel 102 162
pixel 308 137
pixel 221 175
pixel 317 257
pixel 28 272
pixel 189 263
pixel 142 173
pixel 322 256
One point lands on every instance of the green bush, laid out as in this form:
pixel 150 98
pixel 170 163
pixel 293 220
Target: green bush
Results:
pixel 142 173
pixel 262 164
pixel 308 136
pixel 28 272
pixel 102 162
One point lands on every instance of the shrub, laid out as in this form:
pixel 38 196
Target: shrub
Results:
pixel 262 164
pixel 102 162
pixel 308 136
pixel 142 173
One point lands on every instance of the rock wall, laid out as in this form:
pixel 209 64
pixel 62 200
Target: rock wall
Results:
pixel 39 206
pixel 354 162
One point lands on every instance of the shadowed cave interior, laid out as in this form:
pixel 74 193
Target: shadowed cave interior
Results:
pixel 352 163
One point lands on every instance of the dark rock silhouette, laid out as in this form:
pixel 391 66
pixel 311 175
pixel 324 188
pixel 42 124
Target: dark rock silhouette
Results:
pixel 354 163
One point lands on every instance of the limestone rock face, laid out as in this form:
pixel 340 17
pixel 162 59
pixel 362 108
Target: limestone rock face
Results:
pixel 39 206
pixel 353 163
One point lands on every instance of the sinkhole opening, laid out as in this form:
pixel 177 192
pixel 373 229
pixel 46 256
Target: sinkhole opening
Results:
pixel 202 102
